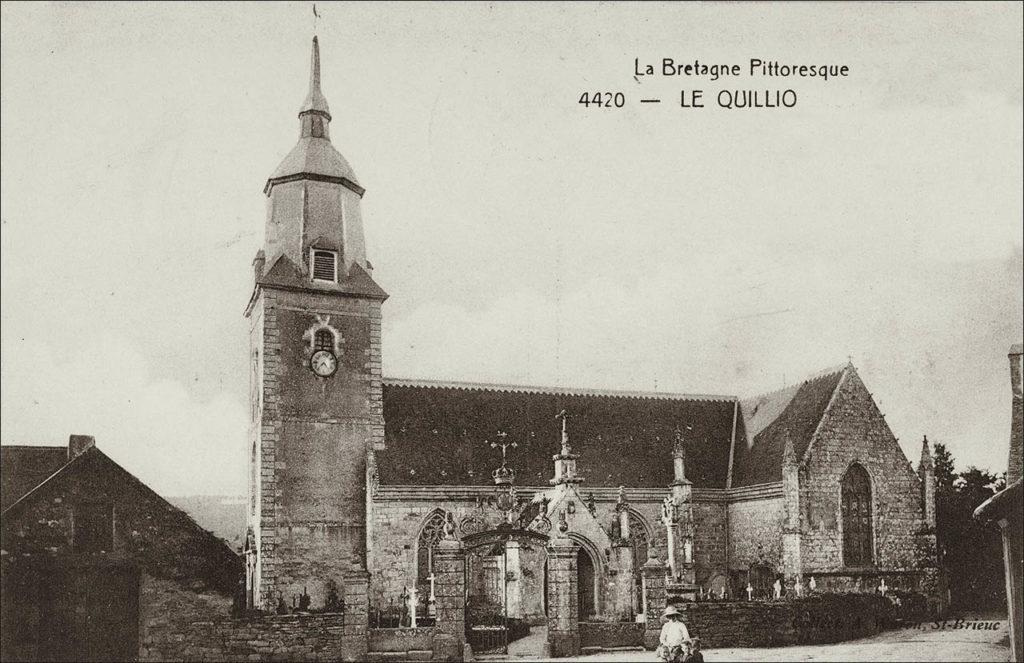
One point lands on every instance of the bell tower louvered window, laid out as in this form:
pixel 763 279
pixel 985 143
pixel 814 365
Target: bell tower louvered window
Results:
pixel 325 265
pixel 858 541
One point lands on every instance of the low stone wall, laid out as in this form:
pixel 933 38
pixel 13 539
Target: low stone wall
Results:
pixel 407 644
pixel 608 635
pixel 265 638
pixel 811 620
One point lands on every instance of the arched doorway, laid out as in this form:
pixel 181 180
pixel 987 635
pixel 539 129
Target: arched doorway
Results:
pixel 586 585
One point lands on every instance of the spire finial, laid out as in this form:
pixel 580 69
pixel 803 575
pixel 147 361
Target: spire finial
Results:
pixel 314 73
pixel 564 416
pixel 926 453
pixel 315 113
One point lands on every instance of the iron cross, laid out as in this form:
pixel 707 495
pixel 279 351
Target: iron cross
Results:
pixel 503 444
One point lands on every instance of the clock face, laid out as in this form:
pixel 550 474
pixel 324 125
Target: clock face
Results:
pixel 323 363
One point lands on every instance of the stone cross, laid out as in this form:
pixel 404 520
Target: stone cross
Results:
pixel 503 444
pixel 432 599
pixel 882 588
pixel 750 592
pixel 778 588
pixel 412 605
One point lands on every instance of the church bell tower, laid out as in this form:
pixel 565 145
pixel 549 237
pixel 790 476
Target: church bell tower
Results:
pixel 315 374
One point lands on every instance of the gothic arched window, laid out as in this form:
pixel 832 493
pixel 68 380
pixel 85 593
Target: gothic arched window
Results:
pixel 432 532
pixel 639 541
pixel 858 541
pixel 323 340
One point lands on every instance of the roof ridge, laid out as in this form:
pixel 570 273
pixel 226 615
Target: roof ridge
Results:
pixel 94 451
pixel 567 391
pixel 817 375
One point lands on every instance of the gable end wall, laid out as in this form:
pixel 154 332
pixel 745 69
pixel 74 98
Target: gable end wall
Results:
pixel 854 430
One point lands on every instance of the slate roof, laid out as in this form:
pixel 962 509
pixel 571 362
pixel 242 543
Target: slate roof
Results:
pixel 435 434
pixel 22 468
pixel 316 156
pixel 284 273
pixel 795 410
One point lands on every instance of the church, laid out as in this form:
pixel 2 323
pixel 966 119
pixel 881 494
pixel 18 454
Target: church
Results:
pixel 360 479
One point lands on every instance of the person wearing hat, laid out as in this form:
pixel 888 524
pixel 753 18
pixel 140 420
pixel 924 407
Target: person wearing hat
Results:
pixel 673 635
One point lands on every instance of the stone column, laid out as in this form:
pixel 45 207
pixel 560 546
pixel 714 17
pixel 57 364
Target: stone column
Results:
pixel 926 472
pixel 563 607
pixel 654 596
pixel 623 597
pixel 513 580
pixel 792 566
pixel 356 631
pixel 450 570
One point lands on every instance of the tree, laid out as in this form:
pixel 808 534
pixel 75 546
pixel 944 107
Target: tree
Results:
pixel 945 474
pixel 970 550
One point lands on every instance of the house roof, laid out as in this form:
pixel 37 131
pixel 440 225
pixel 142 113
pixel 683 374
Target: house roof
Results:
pixel 22 468
pixel 88 460
pixel 794 411
pixel 438 434
pixel 1004 504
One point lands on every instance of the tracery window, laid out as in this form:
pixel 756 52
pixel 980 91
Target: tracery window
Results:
pixel 432 532
pixel 858 541
pixel 639 542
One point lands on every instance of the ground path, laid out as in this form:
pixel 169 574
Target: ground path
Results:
pixel 926 643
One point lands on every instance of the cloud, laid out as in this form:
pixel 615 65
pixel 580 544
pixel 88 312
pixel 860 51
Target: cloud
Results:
pixel 151 426
pixel 915 331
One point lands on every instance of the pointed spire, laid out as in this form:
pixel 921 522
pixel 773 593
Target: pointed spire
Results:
pixel 926 455
pixel 315 114
pixel 315 100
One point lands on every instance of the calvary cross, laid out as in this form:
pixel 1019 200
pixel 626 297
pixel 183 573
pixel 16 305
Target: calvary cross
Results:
pixel 503 444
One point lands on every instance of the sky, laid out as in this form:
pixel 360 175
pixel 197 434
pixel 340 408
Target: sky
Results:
pixel 523 237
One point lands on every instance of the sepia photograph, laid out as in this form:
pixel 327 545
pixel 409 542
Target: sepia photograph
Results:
pixel 511 331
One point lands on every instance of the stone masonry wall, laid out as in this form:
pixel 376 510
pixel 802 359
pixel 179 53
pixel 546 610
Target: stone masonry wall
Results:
pixel 313 437
pixel 854 431
pixel 755 529
pixel 398 515
pixel 179 625
pixel 811 620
